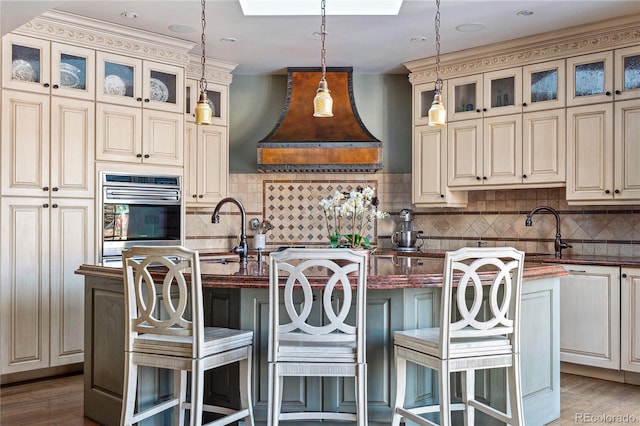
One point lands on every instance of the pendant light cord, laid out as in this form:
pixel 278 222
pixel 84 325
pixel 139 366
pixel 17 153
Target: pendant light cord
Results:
pixel 438 85
pixel 323 33
pixel 203 39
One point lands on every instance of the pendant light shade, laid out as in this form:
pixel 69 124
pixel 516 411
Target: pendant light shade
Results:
pixel 437 112
pixel 203 110
pixel 323 102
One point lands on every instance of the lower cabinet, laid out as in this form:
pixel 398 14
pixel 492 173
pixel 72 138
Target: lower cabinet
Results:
pixel 630 320
pixel 43 242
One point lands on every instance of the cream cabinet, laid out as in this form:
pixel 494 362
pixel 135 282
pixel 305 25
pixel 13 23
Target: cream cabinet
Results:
pixel 217 97
pixel 602 152
pixel 543 86
pixel 485 95
pixel 130 81
pixel 590 316
pixel 45 67
pixel 134 135
pixel 47 145
pixel 44 239
pixel 206 164
pixel 630 319
pixel 429 170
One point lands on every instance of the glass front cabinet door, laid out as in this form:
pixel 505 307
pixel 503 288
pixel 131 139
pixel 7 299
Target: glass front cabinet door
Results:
pixel 49 68
pixel 590 79
pixel 118 79
pixel 163 87
pixel 627 73
pixel 464 94
pixel 423 94
pixel 502 92
pixel 543 86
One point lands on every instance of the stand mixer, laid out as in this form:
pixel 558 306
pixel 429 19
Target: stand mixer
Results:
pixel 406 238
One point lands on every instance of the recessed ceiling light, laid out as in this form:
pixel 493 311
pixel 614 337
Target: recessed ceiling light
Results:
pixel 179 28
pixel 524 13
pixel 129 15
pixel 228 39
pixel 470 28
pixel 418 39
pixel 297 7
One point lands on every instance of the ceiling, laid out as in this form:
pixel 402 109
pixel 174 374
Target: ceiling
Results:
pixel 370 44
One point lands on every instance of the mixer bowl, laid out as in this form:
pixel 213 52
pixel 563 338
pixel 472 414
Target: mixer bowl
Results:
pixel 406 239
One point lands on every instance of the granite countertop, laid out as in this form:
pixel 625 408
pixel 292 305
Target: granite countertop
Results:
pixel 386 271
pixel 628 261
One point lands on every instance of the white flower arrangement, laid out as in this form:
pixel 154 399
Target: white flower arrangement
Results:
pixel 359 208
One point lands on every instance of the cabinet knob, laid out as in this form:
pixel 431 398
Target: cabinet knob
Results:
pixel 524 176
pixel 54 205
pixel 46 85
pixel 484 178
pixel 55 86
pixel 624 275
pixel 477 177
pixel 617 191
pixel 138 155
pixel 194 196
pixel 45 188
pixel 146 156
pixel 618 92
pixel 484 109
pixel 146 100
pixel 441 195
pixel 45 205
pixel 139 99
pixel 200 196
pixel 524 104
pixel 606 191
pixel 607 93
pixel 55 189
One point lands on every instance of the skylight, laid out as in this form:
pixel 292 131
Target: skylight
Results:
pixel 312 7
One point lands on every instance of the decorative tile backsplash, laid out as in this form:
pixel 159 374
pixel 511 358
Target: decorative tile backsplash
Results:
pixel 492 217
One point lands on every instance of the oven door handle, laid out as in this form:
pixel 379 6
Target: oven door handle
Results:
pixel 141 195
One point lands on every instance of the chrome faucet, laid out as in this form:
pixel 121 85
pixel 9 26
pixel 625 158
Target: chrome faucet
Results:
pixel 558 244
pixel 241 249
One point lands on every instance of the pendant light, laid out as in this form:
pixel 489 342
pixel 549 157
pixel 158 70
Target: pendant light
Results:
pixel 437 112
pixel 203 110
pixel 323 103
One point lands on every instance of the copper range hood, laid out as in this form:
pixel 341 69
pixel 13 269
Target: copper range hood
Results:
pixel 301 142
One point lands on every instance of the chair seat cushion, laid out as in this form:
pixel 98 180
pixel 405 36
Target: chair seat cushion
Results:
pixel 317 351
pixel 427 340
pixel 216 340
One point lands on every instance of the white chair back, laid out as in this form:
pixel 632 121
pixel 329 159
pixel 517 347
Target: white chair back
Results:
pixel 160 301
pixel 487 297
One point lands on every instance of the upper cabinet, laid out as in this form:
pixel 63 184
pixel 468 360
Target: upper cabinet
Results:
pixel 45 67
pixel 590 79
pixel 543 86
pixel 133 82
pixel 627 73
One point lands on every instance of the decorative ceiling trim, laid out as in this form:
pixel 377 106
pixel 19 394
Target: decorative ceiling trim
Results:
pixel 215 70
pixel 606 35
pixel 73 29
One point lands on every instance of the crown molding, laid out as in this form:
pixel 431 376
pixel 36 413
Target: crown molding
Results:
pixel 81 31
pixel 216 70
pixel 573 41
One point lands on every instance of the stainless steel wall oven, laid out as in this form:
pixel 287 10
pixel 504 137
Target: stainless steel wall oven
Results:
pixel 139 210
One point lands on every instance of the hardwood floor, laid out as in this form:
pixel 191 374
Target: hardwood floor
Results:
pixel 59 402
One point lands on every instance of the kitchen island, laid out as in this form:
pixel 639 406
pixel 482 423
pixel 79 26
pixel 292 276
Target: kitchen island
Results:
pixel 403 293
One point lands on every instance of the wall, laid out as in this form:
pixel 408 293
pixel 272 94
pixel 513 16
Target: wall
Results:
pixel 384 104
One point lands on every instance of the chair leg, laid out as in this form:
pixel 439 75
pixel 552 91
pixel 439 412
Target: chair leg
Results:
pixel 361 395
pixel 129 390
pixel 273 409
pixel 178 416
pixel 183 396
pixel 401 384
pixel 444 392
pixel 245 387
pixel 515 392
pixel 197 392
pixel 468 394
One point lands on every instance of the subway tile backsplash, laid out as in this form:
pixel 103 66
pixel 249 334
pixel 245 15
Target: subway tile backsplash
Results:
pixel 493 217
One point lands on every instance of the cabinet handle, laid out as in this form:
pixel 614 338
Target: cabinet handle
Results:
pixel 46 85
pixel 146 100
pixel 606 191
pixel 200 196
pixel 55 189
pixel 478 110
pixel 484 178
pixel 607 93
pixel 45 205
pixel 524 176
pixel 146 156
pixel 524 104
pixel 618 92
pixel 194 196
pixel 617 191
pixel 624 275
pixel 477 177
pixel 138 155
pixel 577 270
pixel 441 195
pixel 45 188
pixel 54 205
pixel 55 86
pixel 484 109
